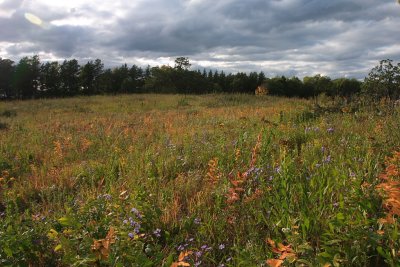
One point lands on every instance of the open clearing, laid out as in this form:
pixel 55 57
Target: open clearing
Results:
pixel 169 180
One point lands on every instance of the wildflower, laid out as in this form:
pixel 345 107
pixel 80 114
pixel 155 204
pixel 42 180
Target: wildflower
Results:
pixel 136 212
pixel 336 204
pixel 197 263
pixel 131 235
pixel 330 130
pixel 327 159
pixel 181 248
pixel 125 221
pixel 107 196
pixel 271 178
pixel 229 259
pixel 278 169
pixel 206 248
pixel 157 232
pixel 197 220
pixel 198 254
pixel 221 246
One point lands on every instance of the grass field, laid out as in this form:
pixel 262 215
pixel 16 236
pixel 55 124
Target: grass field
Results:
pixel 215 180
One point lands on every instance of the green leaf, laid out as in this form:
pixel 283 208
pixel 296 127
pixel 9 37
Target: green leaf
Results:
pixel 169 260
pixel 325 255
pixel 52 234
pixel 65 221
pixel 332 242
pixel 340 216
pixel 58 247
pixel 307 223
pixel 8 251
pixel 381 252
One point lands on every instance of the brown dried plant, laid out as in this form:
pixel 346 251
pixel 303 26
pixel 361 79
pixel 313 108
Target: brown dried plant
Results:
pixel 238 182
pixel 389 188
pixel 102 247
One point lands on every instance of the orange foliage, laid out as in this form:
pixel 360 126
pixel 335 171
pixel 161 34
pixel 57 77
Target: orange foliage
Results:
pixel 101 247
pixel 389 188
pixel 181 259
pixel 236 191
pixel 284 252
pixel 213 175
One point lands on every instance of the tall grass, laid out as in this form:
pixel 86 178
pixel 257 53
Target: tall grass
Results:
pixel 229 180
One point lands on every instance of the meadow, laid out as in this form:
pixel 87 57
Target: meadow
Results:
pixel 212 180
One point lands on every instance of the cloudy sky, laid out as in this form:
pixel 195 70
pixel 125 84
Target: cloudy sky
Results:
pixel 279 37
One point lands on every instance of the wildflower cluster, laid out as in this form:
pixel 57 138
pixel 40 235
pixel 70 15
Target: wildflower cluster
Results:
pixel 133 223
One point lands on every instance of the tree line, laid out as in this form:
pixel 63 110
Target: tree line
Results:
pixel 30 78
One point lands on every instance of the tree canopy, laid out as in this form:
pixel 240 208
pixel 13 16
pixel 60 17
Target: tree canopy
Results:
pixel 30 78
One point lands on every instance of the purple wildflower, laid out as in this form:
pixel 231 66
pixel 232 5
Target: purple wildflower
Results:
pixel 330 130
pixel 206 248
pixel 197 263
pixel 125 221
pixel 107 196
pixel 131 235
pixel 327 159
pixel 221 246
pixel 197 221
pixel 278 169
pixel 157 232
pixel 136 212
pixel 198 254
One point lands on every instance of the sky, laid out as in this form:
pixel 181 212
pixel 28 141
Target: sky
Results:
pixel 337 38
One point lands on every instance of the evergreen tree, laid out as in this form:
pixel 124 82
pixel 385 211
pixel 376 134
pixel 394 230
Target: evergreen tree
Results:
pixel 69 77
pixel 6 72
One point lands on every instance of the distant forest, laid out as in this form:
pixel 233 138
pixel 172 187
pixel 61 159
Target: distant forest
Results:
pixel 30 78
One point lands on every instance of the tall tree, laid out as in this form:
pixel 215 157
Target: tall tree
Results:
pixel 383 80
pixel 182 63
pixel 69 77
pixel 119 75
pixel 6 72
pixel 318 84
pixel 89 76
pixel 26 77
pixel 50 81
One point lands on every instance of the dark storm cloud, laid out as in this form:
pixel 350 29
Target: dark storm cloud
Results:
pixel 291 37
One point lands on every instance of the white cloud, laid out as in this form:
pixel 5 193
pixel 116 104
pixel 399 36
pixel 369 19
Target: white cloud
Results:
pixel 301 37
